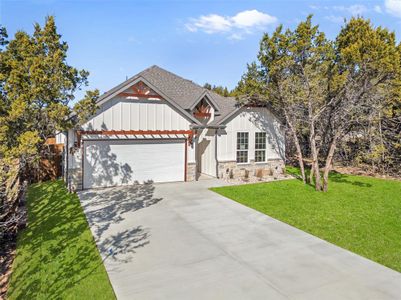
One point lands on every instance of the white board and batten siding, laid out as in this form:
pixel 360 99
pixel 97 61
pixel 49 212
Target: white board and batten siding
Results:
pixel 133 114
pixel 251 120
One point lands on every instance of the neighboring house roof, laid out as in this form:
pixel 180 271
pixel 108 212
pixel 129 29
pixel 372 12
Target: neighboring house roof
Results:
pixel 181 92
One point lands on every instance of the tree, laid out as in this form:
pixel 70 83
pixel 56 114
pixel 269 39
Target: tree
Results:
pixel 223 91
pixel 259 85
pixel 268 82
pixel 3 36
pixel 366 73
pixel 295 64
pixel 37 87
pixel 251 86
pixel 375 141
pixel 325 89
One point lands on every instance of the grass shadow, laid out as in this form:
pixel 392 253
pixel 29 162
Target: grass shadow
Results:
pixel 334 176
pixel 344 178
pixel 56 254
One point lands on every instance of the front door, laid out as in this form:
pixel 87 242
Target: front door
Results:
pixel 207 152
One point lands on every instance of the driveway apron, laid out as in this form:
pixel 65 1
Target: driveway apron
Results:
pixel 183 241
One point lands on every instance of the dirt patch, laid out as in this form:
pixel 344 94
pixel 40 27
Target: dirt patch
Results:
pixel 364 172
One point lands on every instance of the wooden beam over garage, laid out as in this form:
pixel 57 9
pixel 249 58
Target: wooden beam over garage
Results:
pixel 189 133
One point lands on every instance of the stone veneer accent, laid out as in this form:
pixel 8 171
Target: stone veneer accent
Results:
pixel 231 169
pixel 74 181
pixel 191 171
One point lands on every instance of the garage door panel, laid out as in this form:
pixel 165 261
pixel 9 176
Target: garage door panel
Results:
pixel 123 162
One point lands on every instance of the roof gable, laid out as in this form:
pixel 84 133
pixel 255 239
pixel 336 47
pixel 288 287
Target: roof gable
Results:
pixel 209 99
pixel 128 84
pixel 140 89
pixel 181 93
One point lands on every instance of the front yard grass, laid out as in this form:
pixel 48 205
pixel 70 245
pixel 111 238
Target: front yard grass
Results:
pixel 358 213
pixel 56 255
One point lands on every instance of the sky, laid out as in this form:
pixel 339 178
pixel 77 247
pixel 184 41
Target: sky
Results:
pixel 204 41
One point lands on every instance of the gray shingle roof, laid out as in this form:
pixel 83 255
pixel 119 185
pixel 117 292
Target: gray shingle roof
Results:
pixel 227 106
pixel 182 91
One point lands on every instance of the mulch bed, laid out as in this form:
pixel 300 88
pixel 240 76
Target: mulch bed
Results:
pixel 254 179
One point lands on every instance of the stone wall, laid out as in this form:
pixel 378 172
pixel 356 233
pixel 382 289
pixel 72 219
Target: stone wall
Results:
pixel 231 169
pixel 74 181
pixel 74 172
pixel 191 171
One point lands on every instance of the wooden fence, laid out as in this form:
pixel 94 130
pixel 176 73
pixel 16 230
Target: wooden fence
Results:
pixel 50 165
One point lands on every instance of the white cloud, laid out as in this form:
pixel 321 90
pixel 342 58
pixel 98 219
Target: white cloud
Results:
pixel 236 36
pixel 355 10
pixel 252 18
pixel 335 19
pixel 244 22
pixel 342 10
pixel 378 9
pixel 393 7
pixel 209 24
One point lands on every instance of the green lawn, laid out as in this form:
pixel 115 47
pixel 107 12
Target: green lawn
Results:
pixel 361 214
pixel 56 254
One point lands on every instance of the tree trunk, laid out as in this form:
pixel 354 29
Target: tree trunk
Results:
pixel 300 158
pixel 315 161
pixel 311 174
pixel 297 146
pixel 329 160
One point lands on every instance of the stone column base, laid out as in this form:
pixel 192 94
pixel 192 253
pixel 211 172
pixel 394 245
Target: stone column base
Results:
pixel 74 180
pixel 191 171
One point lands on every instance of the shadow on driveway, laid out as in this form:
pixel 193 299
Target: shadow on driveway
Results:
pixel 108 207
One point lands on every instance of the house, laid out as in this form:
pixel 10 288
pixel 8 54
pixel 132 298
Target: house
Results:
pixel 158 126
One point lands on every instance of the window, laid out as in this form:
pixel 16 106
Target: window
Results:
pixel 242 147
pixel 260 146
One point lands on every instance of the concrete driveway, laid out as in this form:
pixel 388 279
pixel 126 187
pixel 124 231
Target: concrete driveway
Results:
pixel 182 241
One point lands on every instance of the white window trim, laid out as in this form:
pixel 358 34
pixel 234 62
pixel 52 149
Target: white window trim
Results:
pixel 236 150
pixel 254 150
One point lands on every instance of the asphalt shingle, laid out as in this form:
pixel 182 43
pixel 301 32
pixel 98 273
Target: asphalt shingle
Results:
pixel 182 91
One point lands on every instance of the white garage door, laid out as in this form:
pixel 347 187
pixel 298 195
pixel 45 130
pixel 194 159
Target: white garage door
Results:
pixel 122 162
